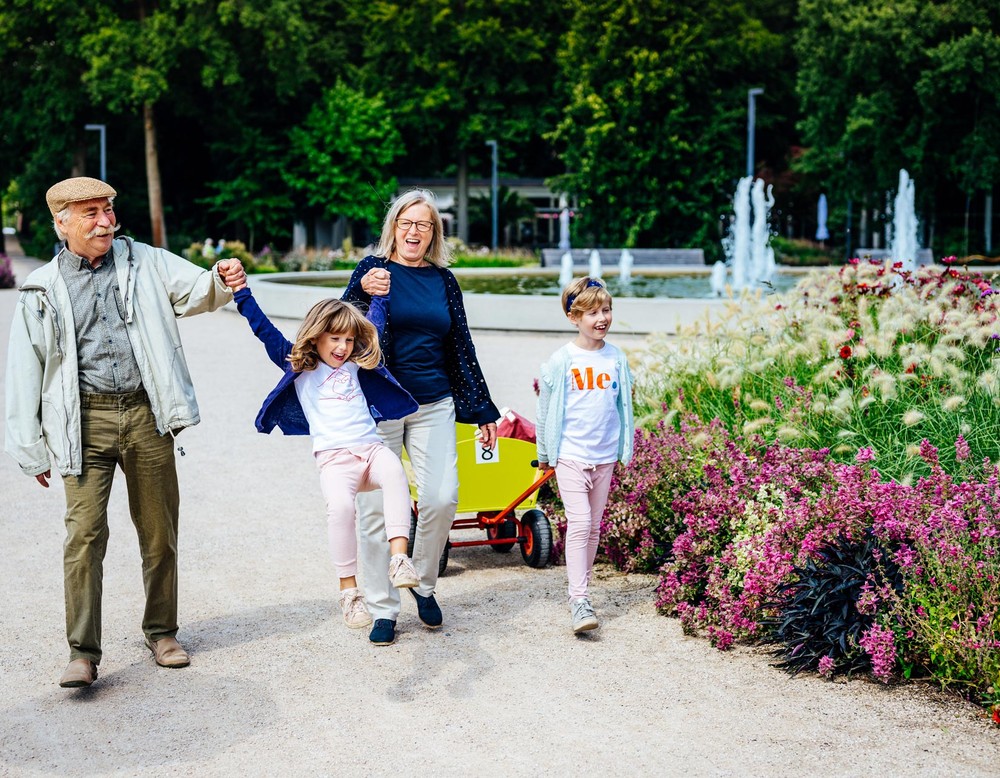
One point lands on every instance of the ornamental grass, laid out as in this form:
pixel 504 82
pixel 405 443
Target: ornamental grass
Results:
pixel 865 357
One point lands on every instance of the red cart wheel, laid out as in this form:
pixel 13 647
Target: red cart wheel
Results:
pixel 536 545
pixel 505 529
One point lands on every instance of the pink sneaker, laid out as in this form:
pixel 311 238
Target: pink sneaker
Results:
pixel 352 603
pixel 402 574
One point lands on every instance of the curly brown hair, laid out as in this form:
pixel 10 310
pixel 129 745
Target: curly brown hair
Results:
pixel 337 317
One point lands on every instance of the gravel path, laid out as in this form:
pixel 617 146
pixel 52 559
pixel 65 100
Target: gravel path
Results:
pixel 278 686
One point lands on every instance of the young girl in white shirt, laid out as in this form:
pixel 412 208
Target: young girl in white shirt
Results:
pixel 585 426
pixel 335 388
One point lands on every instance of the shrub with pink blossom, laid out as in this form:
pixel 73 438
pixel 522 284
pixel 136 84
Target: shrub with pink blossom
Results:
pixel 640 522
pixel 946 532
pixel 756 515
pixel 760 512
pixel 7 280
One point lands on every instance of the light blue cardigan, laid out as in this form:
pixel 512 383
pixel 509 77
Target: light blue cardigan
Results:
pixel 551 410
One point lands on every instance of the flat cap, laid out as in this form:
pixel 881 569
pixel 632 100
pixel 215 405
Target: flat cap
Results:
pixel 75 190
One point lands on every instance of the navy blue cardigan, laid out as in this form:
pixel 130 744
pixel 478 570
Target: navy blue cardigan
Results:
pixel 386 398
pixel 468 387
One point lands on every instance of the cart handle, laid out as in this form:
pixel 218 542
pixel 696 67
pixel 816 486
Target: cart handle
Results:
pixel 502 515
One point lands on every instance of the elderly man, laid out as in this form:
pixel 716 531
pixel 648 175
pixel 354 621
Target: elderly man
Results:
pixel 96 379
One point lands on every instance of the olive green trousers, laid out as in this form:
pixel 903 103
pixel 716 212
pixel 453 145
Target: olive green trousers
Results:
pixel 119 431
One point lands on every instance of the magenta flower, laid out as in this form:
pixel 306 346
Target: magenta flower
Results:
pixel 880 644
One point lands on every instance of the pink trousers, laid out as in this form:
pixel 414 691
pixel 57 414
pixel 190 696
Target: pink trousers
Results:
pixel 584 492
pixel 343 472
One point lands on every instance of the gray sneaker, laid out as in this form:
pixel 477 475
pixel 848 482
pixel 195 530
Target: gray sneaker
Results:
pixel 583 615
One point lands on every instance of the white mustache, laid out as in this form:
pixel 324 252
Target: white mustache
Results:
pixel 100 232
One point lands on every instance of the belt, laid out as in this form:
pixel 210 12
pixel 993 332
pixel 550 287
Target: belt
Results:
pixel 114 401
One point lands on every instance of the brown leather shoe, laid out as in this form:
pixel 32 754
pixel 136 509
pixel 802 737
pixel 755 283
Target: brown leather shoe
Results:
pixel 79 672
pixel 168 652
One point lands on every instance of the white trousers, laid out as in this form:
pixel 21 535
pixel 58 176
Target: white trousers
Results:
pixel 428 435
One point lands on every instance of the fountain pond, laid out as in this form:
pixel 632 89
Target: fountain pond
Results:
pixel 692 285
pixel 659 299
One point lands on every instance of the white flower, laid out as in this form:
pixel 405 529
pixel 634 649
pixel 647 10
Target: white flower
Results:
pixel 953 403
pixel 757 424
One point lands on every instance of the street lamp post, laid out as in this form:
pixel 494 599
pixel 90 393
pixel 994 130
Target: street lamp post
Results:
pixel 102 130
pixel 751 120
pixel 494 185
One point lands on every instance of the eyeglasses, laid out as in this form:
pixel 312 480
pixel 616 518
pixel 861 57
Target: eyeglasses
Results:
pixel 405 224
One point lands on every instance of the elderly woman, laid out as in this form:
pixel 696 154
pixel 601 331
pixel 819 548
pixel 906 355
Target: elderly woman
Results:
pixel 428 348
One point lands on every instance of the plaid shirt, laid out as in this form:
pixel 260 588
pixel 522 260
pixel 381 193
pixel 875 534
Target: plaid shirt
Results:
pixel 106 362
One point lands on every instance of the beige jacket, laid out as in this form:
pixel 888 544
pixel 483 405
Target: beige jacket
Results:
pixel 43 390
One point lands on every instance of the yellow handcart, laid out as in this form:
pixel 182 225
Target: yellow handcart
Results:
pixel 493 486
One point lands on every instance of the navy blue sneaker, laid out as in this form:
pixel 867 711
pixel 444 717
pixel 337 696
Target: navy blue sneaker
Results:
pixel 427 610
pixel 383 633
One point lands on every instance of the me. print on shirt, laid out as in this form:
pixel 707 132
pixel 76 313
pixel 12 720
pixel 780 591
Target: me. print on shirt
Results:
pixel 588 380
pixel 340 385
pixel 591 426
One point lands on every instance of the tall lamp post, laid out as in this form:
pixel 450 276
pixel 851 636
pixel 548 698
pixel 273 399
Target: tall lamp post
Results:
pixel 751 120
pixel 104 149
pixel 494 182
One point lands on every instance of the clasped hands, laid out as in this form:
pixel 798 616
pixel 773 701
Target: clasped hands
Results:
pixel 232 274
pixel 376 282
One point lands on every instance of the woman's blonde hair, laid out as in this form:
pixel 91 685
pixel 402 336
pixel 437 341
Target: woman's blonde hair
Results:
pixel 584 294
pixel 438 252
pixel 337 317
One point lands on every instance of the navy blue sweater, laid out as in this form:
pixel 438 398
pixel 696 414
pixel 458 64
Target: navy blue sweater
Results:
pixel 468 387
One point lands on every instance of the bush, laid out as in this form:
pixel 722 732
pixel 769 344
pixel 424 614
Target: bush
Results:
pixel 640 522
pixel 317 259
pixel 234 249
pixel 757 512
pixel 7 279
pixel 803 253
pixel 946 618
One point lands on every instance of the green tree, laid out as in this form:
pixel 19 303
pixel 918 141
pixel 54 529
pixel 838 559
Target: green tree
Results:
pixel 342 153
pixel 157 40
pixel 256 195
pixel 457 74
pixel 653 130
pixel 201 70
pixel 907 84
pixel 44 108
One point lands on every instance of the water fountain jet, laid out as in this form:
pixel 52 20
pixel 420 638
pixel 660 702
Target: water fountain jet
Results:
pixel 595 263
pixel 625 262
pixel 566 269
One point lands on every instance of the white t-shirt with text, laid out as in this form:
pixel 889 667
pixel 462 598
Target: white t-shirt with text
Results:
pixel 591 426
